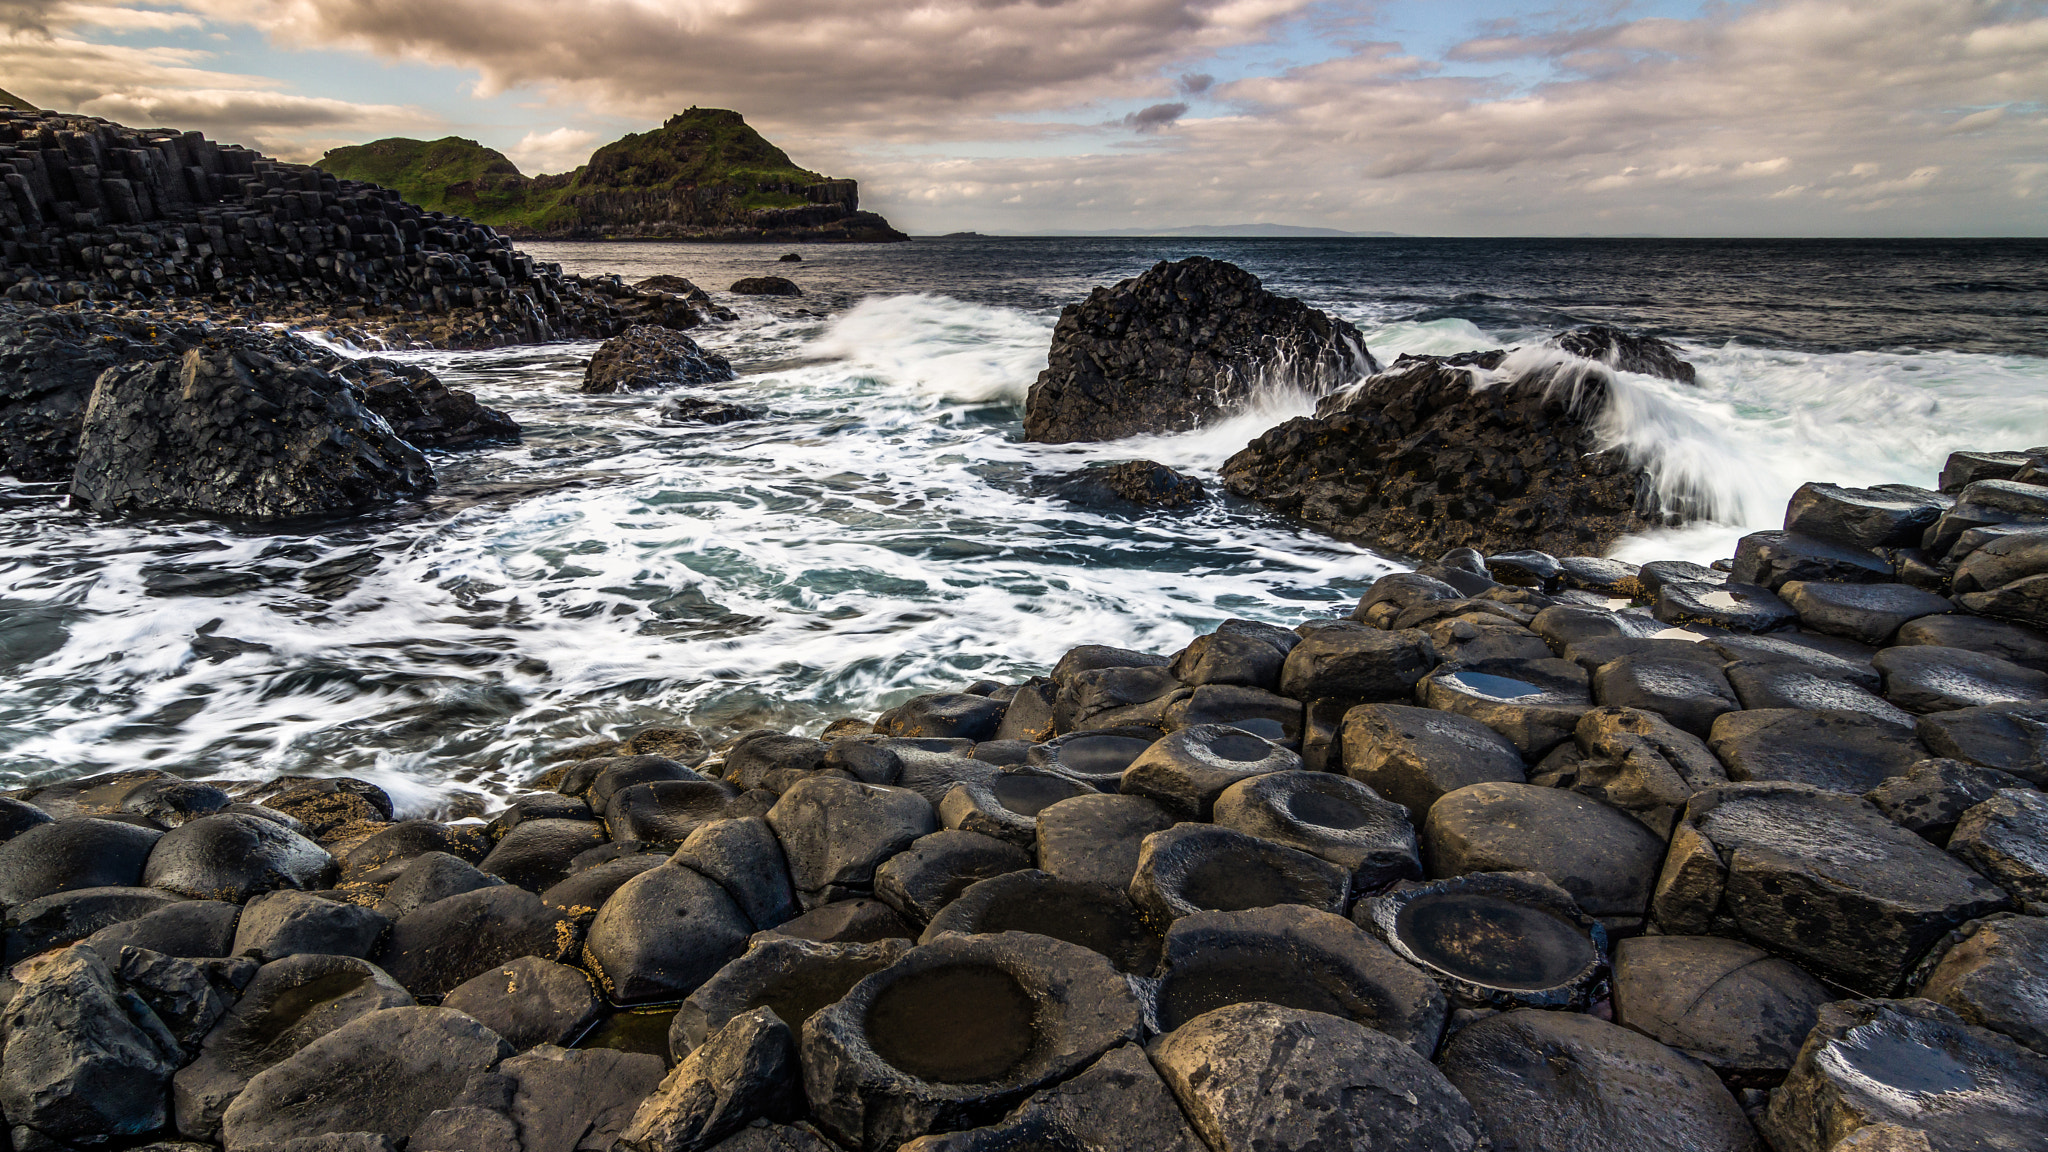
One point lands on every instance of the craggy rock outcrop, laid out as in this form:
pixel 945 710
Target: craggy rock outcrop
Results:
pixel 644 357
pixel 423 411
pixel 1625 351
pixel 1438 452
pixel 96 211
pixel 1142 483
pixel 765 286
pixel 1180 345
pixel 239 434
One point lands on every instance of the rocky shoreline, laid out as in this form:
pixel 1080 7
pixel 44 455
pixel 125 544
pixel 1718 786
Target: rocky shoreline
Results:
pixel 1532 849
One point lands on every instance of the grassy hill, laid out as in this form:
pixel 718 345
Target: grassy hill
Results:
pixel 10 100
pixel 705 174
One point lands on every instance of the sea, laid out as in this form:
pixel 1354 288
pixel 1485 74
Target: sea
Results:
pixel 878 534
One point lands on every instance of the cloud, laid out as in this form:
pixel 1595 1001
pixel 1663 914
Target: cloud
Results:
pixel 1195 83
pixel 1155 117
pixel 559 150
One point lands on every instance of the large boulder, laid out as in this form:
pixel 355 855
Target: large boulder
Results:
pixel 84 1059
pixel 1256 1076
pixel 239 434
pixel 1422 458
pixel 1180 345
pixel 645 357
pixel 1625 352
pixel 232 857
pixel 48 363
pixel 423 411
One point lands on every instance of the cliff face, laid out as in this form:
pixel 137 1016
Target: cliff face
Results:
pixel 704 175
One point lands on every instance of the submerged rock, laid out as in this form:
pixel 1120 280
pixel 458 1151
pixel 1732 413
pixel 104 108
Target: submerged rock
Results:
pixel 237 433
pixel 1140 482
pixel 1178 346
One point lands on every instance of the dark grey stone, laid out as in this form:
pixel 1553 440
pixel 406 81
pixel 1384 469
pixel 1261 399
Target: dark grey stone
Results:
pixel 1118 1105
pixel 2006 838
pixel 946 715
pixel 1923 678
pixel 1254 710
pixel 1637 762
pixel 433 876
pixel 2009 737
pixel 744 858
pixel 1772 558
pixel 1934 794
pixel 530 1002
pixel 1493 939
pixel 1772 683
pixel 1188 769
pixel 1097 839
pixel 1687 691
pixel 1737 607
pixel 384 1072
pixel 280 924
pixel 1411 756
pixel 754 761
pixel 746 1070
pixel 1330 816
pixel 1889 516
pixel 2024 646
pixel 578 898
pixel 1007 807
pixel 1095 916
pixel 1104 697
pixel 1534 703
pixel 793 977
pixel 1843 751
pixel 936 868
pixel 1996 977
pixel 839 831
pixel 83 1060
pixel 289 1004
pixel 190 928
pixel 1822 877
pixel 1358 663
pixel 1912 1063
pixel 855 921
pixel 72 915
pixel 536 854
pixel 663 933
pixel 1607 860
pixel 450 941
pixel 1256 1076
pixel 958 1031
pixel 1565 1080
pixel 1239 652
pixel 1865 613
pixel 1192 868
pixel 1097 759
pixel 1296 958
pixel 1736 1008
pixel 75 853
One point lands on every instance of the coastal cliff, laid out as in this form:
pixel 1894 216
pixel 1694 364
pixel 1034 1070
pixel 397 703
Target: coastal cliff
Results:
pixel 704 175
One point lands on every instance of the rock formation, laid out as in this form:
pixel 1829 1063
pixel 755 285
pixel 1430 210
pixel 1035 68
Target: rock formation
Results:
pixel 1178 346
pixel 705 174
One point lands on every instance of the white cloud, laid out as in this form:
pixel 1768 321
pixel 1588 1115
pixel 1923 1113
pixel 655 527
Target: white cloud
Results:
pixel 558 150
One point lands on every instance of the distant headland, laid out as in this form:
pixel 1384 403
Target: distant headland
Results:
pixel 704 175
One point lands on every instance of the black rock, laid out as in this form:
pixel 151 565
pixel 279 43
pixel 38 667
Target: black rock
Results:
pixel 1493 939
pixel 854 921
pixel 280 924
pixel 1330 816
pixel 1178 346
pixel 2003 838
pixel 1866 613
pixel 1625 351
pixel 1118 1105
pixel 1188 769
pixel 597 781
pixel 936 868
pixel 1922 678
pixel 793 977
pixel 1534 703
pixel 660 814
pixel 1296 958
pixel 1735 606
pixel 759 757
pixel 75 914
pixel 1772 684
pixel 1819 876
pixel 535 854
pixel 423 411
pixel 743 857
pixel 698 410
pixel 189 928
pixel 1095 758
pixel 663 933
pixel 1933 794
pixel 288 1005
pixel 1007 807
pixel 1095 916
pixel 580 896
pixel 765 286
pixel 1771 558
pixel 546 1100
pixel 1731 1005
pixel 1412 756
pixel 1242 652
pixel 1267 715
pixel 956 1032
pixel 946 715
pixel 1996 977
pixel 2009 737
pixel 1846 751
pixel 1889 516
pixel 1966 468
pixel 433 876
pixel 384 1072
pixel 1142 483
pixel 1565 1080
pixel 1634 761
pixel 17 816
pixel 530 1002
pixel 1914 1064
pixel 1257 1076
pixel 236 433
pixel 2026 647
pixel 1686 691
pixel 50 361
pixel 1350 661
pixel 83 1059
pixel 1607 860
pixel 747 1070
pixel 457 939
pixel 1192 868
pixel 77 853
pixel 645 357
pixel 839 831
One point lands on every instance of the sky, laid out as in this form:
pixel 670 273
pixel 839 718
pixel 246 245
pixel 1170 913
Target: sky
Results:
pixel 1453 117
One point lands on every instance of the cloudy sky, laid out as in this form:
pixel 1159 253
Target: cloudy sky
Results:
pixel 1449 117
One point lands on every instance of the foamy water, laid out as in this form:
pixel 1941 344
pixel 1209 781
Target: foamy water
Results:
pixel 876 536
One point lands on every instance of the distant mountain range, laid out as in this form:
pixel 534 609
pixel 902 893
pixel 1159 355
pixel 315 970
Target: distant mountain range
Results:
pixel 1211 231
pixel 704 175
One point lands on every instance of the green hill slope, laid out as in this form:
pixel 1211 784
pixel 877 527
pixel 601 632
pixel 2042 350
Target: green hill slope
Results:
pixel 10 100
pixel 705 174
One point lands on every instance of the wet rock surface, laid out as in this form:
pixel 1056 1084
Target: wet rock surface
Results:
pixel 1178 346
pixel 1493 939
pixel 642 357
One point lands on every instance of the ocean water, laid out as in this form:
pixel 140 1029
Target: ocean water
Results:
pixel 879 535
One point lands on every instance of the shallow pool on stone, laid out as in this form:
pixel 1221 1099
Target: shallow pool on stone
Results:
pixel 1493 687
pixel 961 1024
pixel 1493 942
